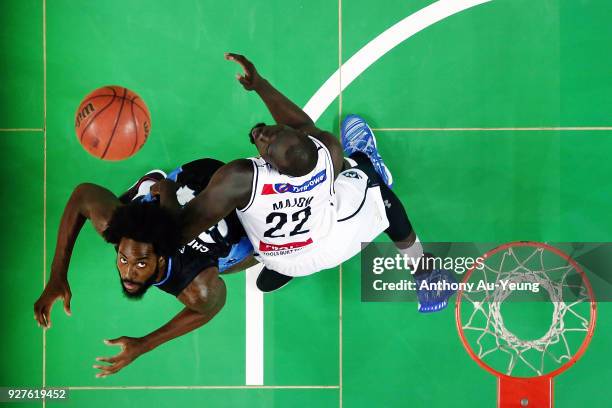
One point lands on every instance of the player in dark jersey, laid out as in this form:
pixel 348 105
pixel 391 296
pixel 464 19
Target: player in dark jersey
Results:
pixel 142 226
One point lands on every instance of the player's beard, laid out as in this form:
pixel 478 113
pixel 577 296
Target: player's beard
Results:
pixel 143 286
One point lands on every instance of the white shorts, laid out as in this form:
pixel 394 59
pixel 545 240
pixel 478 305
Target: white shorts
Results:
pixel 361 217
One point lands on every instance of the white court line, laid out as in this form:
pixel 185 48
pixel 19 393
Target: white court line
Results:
pixel 21 130
pixel 379 46
pixel 44 45
pixel 321 100
pixel 254 335
pixel 203 387
pixel 340 373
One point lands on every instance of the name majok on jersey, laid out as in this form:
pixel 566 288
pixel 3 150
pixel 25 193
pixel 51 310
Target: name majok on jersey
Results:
pixel 281 188
pixel 292 202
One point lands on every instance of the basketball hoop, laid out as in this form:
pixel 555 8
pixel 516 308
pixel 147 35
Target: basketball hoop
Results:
pixel 525 367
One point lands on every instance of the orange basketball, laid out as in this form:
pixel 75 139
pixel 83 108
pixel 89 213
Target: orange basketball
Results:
pixel 112 123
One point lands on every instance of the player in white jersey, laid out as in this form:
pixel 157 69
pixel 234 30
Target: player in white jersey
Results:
pixel 303 207
pixel 297 225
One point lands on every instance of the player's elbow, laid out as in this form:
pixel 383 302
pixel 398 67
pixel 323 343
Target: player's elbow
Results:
pixel 84 190
pixel 220 295
pixel 81 193
pixel 217 300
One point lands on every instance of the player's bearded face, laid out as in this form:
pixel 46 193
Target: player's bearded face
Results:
pixel 138 267
pixel 142 287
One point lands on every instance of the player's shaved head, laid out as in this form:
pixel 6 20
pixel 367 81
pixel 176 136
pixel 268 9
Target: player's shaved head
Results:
pixel 296 155
pixel 289 150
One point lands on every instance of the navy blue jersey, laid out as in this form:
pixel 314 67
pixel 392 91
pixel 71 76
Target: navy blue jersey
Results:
pixel 210 246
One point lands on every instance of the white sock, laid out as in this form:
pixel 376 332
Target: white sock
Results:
pixel 413 252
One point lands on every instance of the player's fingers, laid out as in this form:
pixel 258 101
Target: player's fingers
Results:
pixel 246 65
pixel 67 298
pixel 46 317
pixel 102 375
pixel 104 371
pixel 38 319
pixel 101 367
pixel 237 59
pixel 231 56
pixel 115 342
pixel 37 314
pixel 108 370
pixel 107 359
pixel 109 367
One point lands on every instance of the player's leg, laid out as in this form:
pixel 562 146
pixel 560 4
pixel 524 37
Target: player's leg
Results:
pixel 400 230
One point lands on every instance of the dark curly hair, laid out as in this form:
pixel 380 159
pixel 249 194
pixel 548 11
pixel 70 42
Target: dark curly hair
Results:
pixel 144 222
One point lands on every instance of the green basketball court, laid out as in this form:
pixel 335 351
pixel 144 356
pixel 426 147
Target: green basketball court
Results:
pixel 494 120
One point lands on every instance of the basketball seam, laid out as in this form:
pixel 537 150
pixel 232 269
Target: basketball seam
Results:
pixel 110 140
pixel 147 114
pixel 140 107
pixel 95 116
pixel 135 127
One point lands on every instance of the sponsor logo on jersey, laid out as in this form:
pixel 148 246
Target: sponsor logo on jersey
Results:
pixel 281 188
pixel 351 174
pixel 266 247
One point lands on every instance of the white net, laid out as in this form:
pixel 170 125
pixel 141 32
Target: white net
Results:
pixel 529 281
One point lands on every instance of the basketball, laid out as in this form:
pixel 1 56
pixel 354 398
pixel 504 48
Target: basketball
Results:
pixel 112 123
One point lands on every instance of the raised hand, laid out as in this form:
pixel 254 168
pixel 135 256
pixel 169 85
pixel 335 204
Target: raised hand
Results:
pixel 250 80
pixel 55 289
pixel 131 348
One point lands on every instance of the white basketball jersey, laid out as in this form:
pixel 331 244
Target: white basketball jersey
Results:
pixel 286 216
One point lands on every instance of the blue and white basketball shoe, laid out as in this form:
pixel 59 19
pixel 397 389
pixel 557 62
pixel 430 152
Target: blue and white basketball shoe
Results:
pixel 140 189
pixel 358 137
pixel 433 300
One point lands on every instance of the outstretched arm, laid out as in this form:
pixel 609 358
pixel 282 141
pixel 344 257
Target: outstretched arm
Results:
pixel 283 110
pixel 228 189
pixel 88 201
pixel 203 298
